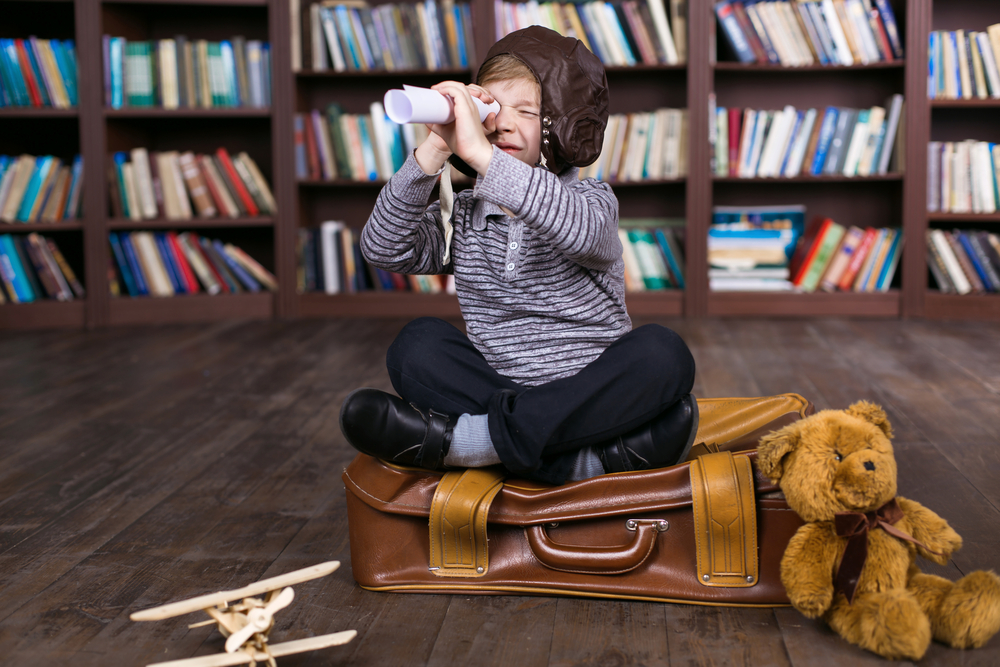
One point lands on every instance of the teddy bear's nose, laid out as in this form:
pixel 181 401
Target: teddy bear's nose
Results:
pixel 869 465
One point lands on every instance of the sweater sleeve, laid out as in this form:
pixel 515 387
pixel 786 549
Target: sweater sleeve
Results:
pixel 579 218
pixel 403 233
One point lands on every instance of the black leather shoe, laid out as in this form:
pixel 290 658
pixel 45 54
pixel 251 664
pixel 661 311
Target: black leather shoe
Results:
pixel 387 427
pixel 662 442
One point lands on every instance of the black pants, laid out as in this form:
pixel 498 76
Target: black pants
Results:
pixel 434 365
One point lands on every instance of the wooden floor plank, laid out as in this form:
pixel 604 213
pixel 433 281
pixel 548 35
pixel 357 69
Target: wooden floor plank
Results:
pixel 609 632
pixel 724 636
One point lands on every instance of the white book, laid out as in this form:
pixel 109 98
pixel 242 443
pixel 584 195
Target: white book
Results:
pixel 950 58
pixel 962 285
pixel 383 149
pixel 776 142
pixel 757 146
pixel 746 134
pixel 876 120
pixel 169 90
pixel 964 66
pixel 295 15
pixel 961 201
pixel 131 195
pixel 787 14
pixel 933 176
pixel 144 182
pixel 328 251
pixel 984 170
pixel 863 29
pixel 638 146
pixel 631 260
pixel 197 262
pixel 672 149
pixel 989 64
pixel 859 138
pixel 659 14
pixel 329 23
pixel 159 283
pixel 781 41
pixel 947 150
pixel 174 164
pixel 320 60
pixel 836 32
pixel 657 139
pixel 801 143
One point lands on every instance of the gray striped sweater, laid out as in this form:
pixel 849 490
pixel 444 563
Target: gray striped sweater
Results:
pixel 542 294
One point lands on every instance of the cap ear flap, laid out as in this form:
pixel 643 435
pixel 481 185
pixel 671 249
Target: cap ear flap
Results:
pixel 773 448
pixel 871 413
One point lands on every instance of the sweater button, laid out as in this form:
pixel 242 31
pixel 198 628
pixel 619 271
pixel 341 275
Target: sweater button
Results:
pixel 510 267
pixel 513 245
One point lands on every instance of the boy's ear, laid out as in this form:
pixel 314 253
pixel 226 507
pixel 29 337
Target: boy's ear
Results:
pixel 871 413
pixel 773 448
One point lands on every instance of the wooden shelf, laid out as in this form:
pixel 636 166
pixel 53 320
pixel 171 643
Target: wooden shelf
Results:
pixel 194 223
pixel 938 306
pixel 27 228
pixel 37 112
pixel 621 69
pixel 665 303
pixel 963 217
pixel 227 3
pixel 726 66
pixel 794 304
pixel 43 315
pixel 192 308
pixel 337 183
pixel 331 73
pixel 974 103
pixel 223 112
pixel 378 304
pixel 836 178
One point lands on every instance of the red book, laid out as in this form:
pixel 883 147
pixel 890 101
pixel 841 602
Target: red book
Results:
pixel 864 247
pixel 241 189
pixel 312 151
pixel 213 188
pixel 187 275
pixel 196 242
pixel 735 119
pixel 755 44
pixel 28 73
pixel 880 35
pixel 806 248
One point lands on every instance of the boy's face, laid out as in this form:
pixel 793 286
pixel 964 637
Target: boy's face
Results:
pixel 518 128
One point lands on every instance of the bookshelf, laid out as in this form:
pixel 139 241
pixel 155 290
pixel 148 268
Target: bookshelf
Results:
pixel 268 136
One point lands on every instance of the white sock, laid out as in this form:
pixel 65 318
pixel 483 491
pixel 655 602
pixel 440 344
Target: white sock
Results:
pixel 586 465
pixel 471 446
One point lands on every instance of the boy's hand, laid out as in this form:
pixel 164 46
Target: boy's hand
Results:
pixel 465 136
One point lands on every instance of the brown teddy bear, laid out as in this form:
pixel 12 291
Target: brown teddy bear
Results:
pixel 854 560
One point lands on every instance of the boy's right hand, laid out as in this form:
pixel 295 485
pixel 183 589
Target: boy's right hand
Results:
pixel 466 135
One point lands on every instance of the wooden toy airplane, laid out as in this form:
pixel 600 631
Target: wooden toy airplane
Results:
pixel 246 623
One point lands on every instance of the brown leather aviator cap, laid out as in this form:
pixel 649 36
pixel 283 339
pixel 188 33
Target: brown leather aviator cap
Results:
pixel 574 85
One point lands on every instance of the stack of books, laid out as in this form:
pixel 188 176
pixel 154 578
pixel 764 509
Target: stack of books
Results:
pixel 651 249
pixel 964 261
pixel 348 35
pixel 807 32
pixel 180 73
pixel 632 32
pixel 750 143
pixel 749 247
pixel 177 186
pixel 359 147
pixel 642 146
pixel 963 64
pixel 40 189
pixel 833 258
pixel 330 261
pixel 31 267
pixel 38 73
pixel 165 264
pixel 962 176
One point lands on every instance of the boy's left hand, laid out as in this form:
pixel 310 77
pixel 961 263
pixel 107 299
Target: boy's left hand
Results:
pixel 466 136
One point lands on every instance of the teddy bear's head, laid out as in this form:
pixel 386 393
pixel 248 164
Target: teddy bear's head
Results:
pixel 833 461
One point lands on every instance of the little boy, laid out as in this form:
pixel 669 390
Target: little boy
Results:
pixel 550 380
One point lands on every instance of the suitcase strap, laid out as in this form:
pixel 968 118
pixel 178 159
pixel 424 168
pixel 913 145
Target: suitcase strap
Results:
pixel 461 503
pixel 725 520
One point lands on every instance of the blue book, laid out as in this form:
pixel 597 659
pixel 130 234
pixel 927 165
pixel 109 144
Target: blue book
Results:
pixel 963 238
pixel 120 158
pixel 584 13
pixel 42 166
pixel 932 64
pixel 265 57
pixel 733 32
pixel 237 269
pixel 18 85
pixel 66 69
pixel 133 263
pixel 384 279
pixel 229 67
pixel 667 247
pixel 170 264
pixel 762 34
pixel 367 147
pixel 116 49
pixel 611 18
pixel 5 162
pixel 799 117
pixel 891 28
pixel 826 132
pixel 823 31
pixel 43 92
pixel 73 199
pixel 352 53
pixel 891 261
pixel 69 51
pixel 123 267
pixel 231 281
pixel 952 43
pixel 812 33
pixel 463 56
pixel 301 166
pixel 12 261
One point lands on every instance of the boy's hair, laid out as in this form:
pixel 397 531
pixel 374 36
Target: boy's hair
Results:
pixel 505 67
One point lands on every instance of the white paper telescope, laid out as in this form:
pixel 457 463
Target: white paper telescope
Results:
pixel 423 105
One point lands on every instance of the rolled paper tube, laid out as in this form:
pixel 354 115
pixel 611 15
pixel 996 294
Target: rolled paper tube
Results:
pixel 423 105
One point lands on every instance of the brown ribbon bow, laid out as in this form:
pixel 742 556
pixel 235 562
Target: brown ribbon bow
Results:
pixel 855 526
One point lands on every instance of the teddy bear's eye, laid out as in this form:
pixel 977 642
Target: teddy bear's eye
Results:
pixel 837 456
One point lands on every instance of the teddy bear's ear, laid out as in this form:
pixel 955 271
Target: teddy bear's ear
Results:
pixel 772 449
pixel 871 413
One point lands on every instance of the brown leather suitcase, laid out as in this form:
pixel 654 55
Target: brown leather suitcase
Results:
pixel 710 531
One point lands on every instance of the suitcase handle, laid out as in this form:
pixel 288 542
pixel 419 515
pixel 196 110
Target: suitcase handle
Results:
pixel 584 559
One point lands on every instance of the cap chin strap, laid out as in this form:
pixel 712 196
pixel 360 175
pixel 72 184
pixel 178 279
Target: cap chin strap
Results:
pixel 447 200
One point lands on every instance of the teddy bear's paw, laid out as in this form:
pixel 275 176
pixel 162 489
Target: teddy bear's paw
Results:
pixel 890 624
pixel 812 603
pixel 969 614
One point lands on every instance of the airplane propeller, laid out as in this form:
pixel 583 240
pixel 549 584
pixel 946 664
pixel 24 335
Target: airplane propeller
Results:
pixel 259 619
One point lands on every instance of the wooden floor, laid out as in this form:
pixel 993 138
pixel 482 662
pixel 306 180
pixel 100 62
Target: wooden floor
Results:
pixel 144 465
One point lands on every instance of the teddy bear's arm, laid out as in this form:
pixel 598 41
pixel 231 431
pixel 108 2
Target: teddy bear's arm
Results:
pixel 807 568
pixel 930 529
